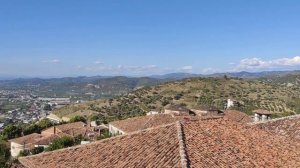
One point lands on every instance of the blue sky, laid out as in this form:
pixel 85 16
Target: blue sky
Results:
pixel 139 37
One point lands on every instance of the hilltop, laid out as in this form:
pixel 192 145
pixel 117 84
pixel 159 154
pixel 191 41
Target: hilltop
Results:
pixel 288 80
pixel 96 87
pixel 196 93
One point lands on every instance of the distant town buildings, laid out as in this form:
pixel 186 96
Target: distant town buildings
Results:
pixel 262 115
pixel 54 118
pixel 25 107
pixel 232 103
pixel 47 136
pixel 152 112
pixel 207 111
pixel 178 110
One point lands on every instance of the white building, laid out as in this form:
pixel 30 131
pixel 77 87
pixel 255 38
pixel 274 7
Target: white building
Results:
pixel 230 103
pixel 54 118
pixel 27 142
pixel 262 115
pixel 115 130
pixel 152 112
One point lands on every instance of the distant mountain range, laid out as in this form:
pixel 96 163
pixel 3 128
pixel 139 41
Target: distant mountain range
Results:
pixel 242 74
pixel 170 76
pixel 104 86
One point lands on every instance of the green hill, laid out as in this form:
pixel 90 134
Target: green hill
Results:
pixel 194 93
pixel 289 80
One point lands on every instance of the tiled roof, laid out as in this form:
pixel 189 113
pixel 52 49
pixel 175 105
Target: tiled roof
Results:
pixel 143 122
pixel 67 127
pixel 289 126
pixel 46 140
pixel 34 139
pixel 48 136
pixel 176 107
pixel 71 129
pixel 202 143
pixel 237 116
pixel 223 143
pixel 31 138
pixel 152 148
pixel 262 111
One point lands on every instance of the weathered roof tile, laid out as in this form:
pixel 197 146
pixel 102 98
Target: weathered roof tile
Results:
pixel 202 143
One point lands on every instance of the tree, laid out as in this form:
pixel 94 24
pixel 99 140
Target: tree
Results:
pixel 11 131
pixel 31 129
pixel 37 150
pixel 24 153
pixel 77 119
pixel 44 123
pixel 110 101
pixel 104 135
pixel 4 154
pixel 178 96
pixel 60 143
pixel 38 127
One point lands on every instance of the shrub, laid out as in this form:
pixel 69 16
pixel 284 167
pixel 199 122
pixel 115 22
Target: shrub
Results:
pixel 4 154
pixel 77 119
pixel 60 143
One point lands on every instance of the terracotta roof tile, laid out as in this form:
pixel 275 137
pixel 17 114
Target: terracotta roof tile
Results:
pixel 201 143
pixel 152 148
pixel 31 138
pixel 262 111
pixel 70 129
pixel 237 116
pixel 34 139
pixel 143 122
pixel 67 127
pixel 289 126
pixel 223 143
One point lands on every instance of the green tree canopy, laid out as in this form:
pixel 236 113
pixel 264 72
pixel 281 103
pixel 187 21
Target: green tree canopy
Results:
pixel 4 154
pixel 11 131
pixel 77 119
pixel 60 143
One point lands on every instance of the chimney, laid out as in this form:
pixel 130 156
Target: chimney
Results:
pixel 54 130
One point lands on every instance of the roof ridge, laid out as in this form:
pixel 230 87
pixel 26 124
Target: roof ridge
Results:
pixel 182 148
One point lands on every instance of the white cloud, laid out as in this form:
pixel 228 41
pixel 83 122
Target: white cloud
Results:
pixel 186 68
pixel 54 61
pixel 288 61
pixel 98 62
pixel 209 70
pixel 258 63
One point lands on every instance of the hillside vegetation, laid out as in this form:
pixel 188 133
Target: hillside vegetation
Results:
pixel 196 93
pixel 287 80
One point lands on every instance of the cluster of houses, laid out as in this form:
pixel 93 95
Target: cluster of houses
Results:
pixel 35 107
pixel 171 114
pixel 181 137
pixel 46 137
